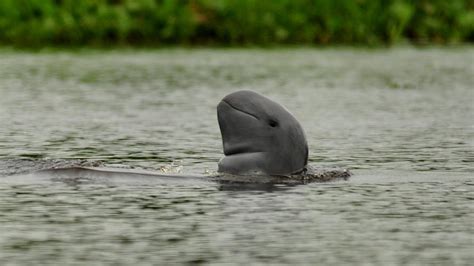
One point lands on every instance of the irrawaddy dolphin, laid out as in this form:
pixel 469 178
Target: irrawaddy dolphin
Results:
pixel 263 143
pixel 260 136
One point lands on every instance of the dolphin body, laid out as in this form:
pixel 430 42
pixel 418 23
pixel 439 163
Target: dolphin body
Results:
pixel 263 144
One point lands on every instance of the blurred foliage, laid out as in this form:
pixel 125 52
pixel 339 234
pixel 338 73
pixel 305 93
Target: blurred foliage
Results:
pixel 234 22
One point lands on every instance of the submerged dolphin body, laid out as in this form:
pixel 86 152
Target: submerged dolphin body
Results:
pixel 260 136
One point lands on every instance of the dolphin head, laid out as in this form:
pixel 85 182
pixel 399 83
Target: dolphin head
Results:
pixel 259 136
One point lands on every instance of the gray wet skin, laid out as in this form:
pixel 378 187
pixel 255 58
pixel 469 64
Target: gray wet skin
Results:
pixel 259 136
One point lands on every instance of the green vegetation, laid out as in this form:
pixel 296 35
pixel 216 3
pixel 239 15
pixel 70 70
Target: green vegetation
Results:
pixel 234 22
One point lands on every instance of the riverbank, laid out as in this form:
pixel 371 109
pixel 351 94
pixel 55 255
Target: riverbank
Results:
pixel 234 23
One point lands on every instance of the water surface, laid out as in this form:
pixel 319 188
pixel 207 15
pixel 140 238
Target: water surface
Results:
pixel 401 119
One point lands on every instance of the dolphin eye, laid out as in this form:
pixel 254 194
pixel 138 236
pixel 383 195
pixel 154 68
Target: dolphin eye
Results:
pixel 272 123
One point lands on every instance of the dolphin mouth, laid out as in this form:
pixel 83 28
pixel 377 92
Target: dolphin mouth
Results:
pixel 239 149
pixel 240 110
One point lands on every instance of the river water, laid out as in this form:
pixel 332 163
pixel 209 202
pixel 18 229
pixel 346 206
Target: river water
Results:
pixel 401 119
